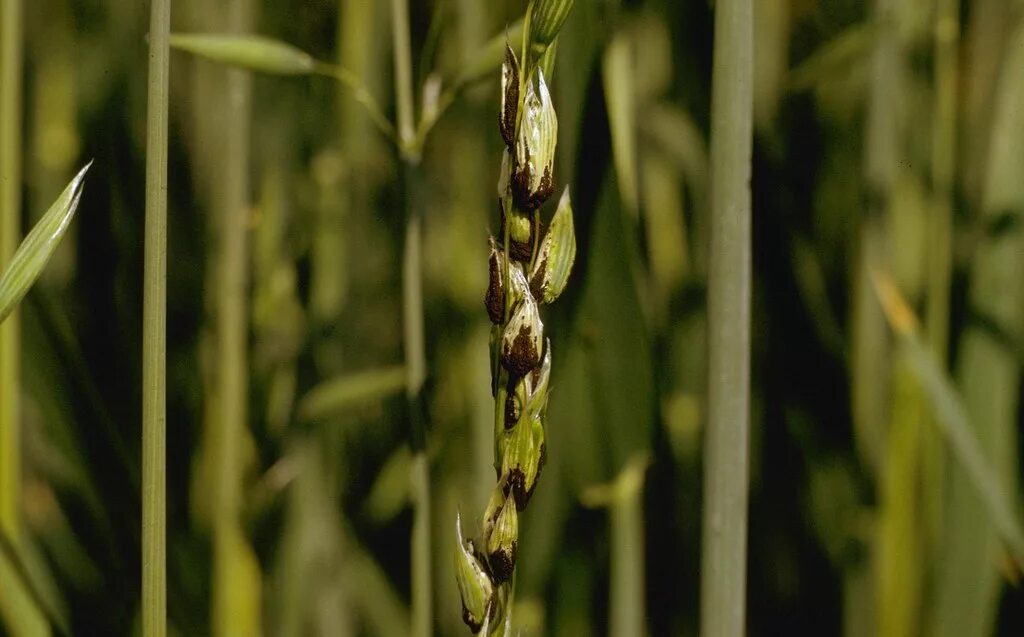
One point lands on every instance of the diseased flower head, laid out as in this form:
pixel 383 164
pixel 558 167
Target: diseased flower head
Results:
pixel 502 542
pixel 475 585
pixel 525 270
pixel 537 389
pixel 509 97
pixel 494 345
pixel 522 444
pixel 521 231
pixel 523 457
pixel 523 338
pixel 494 299
pixel 556 255
pixel 533 170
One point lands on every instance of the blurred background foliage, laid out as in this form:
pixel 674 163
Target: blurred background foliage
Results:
pixel 889 136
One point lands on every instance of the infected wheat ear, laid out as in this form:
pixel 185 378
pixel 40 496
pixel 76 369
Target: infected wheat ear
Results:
pixel 525 270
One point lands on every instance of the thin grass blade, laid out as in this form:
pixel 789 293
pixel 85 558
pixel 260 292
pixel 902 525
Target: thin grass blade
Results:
pixel 834 59
pixel 952 418
pixel 253 52
pixel 37 600
pixel 390 490
pixel 617 72
pixel 344 394
pixel 21 613
pixel 37 248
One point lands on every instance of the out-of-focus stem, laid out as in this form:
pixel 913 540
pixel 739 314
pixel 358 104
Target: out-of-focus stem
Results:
pixel 154 324
pixel 988 374
pixel 403 70
pixel 886 408
pixel 627 552
pixel 415 359
pixel 940 234
pixel 412 315
pixel 10 215
pixel 232 325
pixel 724 558
pixel 232 337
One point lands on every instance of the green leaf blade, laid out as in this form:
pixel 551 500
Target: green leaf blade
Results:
pixel 35 251
pixel 347 393
pixel 251 52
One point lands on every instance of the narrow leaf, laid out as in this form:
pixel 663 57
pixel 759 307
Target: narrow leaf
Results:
pixel 967 589
pixel 952 418
pixel 833 60
pixel 34 603
pixel 618 70
pixel 18 608
pixel 547 19
pixel 346 393
pixel 390 490
pixel 252 52
pixel 37 248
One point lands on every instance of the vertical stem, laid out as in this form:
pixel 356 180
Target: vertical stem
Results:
pixel 940 243
pixel 900 547
pixel 412 320
pixel 724 563
pixel 988 373
pixel 869 357
pixel 232 324
pixel 412 310
pixel 887 405
pixel 229 599
pixel 403 71
pixel 422 596
pixel 10 216
pixel 154 416
pixel 627 549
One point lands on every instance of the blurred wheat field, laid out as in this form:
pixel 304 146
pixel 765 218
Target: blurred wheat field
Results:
pixel 318 382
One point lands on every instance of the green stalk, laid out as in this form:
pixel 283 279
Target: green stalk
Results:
pixel 724 558
pixel 870 366
pixel 232 597
pixel 232 324
pixel 988 374
pixel 900 548
pixel 886 401
pixel 940 242
pixel 403 71
pixel 412 325
pixel 154 317
pixel 627 552
pixel 10 216
pixel 19 612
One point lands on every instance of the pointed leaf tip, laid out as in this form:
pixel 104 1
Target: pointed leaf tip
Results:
pixel 253 52
pixel 35 251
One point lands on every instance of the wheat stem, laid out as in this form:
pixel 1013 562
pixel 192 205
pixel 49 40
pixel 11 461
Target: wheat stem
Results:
pixel 412 312
pixel 10 214
pixel 724 565
pixel 154 512
pixel 228 613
